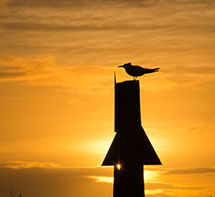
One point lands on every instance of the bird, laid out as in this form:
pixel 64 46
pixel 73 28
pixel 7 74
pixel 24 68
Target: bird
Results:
pixel 137 71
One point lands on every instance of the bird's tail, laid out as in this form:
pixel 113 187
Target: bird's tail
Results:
pixel 151 70
pixel 156 69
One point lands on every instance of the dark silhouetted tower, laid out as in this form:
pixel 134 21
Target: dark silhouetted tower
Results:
pixel 131 148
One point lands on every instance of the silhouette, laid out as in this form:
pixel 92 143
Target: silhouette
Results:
pixel 137 71
pixel 131 148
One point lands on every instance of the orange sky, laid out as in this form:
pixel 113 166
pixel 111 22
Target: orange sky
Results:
pixel 57 60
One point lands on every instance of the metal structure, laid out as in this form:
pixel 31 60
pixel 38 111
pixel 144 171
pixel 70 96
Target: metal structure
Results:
pixel 131 148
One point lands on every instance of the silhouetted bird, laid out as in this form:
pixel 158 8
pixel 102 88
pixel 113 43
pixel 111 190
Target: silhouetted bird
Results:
pixel 137 71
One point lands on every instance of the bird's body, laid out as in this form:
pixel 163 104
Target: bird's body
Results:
pixel 137 71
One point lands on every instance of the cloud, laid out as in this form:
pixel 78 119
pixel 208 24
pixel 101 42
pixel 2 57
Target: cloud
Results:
pixel 134 18
pixel 101 179
pixel 45 72
pixel 28 164
pixel 33 26
pixel 24 69
pixel 209 127
pixel 76 3
pixel 138 30
pixel 199 170
pixel 60 182
pixel 154 192
pixel 185 76
pixel 200 70
pixel 11 75
pixel 145 3
pixel 159 195
pixel 91 172
pixel 149 175
pixel 5 2
pixel 46 173
pixel 93 18
pixel 167 186
pixel 192 171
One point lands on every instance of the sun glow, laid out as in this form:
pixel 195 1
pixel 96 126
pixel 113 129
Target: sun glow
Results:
pixel 102 179
pixel 99 146
pixel 153 192
pixel 150 175
pixel 118 166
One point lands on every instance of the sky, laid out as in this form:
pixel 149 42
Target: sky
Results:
pixel 57 61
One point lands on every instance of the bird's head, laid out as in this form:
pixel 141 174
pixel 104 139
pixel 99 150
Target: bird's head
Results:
pixel 126 65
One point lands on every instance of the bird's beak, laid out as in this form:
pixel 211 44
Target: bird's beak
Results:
pixel 120 66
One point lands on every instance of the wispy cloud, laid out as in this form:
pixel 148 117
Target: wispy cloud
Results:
pixel 93 175
pixel 61 182
pixel 139 30
pixel 200 70
pixel 4 2
pixel 102 179
pixel 28 164
pixel 44 71
pixel 168 186
pixel 201 170
pixel 166 171
pixel 159 194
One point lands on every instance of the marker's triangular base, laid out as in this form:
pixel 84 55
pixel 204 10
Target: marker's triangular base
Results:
pixel 135 148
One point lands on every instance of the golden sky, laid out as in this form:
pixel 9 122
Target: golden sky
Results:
pixel 57 59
